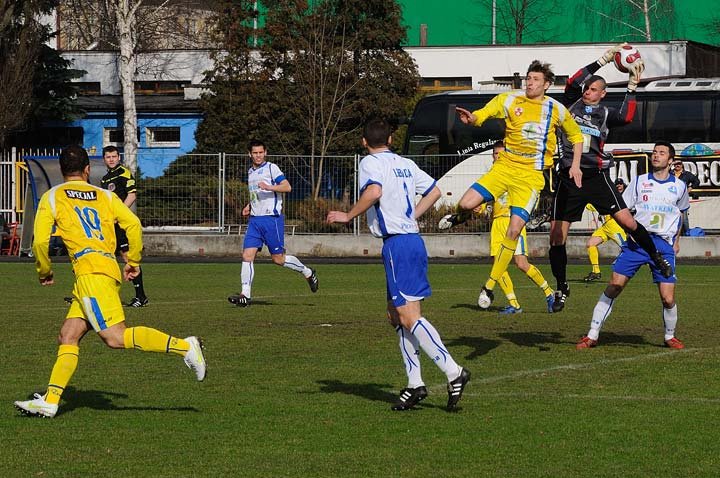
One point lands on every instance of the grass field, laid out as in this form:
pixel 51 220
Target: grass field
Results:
pixel 301 385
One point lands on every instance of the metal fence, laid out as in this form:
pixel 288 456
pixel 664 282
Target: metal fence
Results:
pixel 206 192
pixel 209 191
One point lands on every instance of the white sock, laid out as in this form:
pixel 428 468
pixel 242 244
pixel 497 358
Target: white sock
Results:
pixel 247 273
pixel 670 319
pixel 294 264
pixel 600 314
pixel 431 343
pixel 410 350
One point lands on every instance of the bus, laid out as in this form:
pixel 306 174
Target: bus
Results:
pixel 685 112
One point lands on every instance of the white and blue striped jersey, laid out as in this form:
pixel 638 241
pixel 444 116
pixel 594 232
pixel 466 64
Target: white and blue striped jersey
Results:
pixel 400 179
pixel 265 203
pixel 658 204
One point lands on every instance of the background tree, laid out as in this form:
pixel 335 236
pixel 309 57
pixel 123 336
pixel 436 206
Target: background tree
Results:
pixel 34 78
pixel 633 20
pixel 518 21
pixel 131 27
pixel 318 72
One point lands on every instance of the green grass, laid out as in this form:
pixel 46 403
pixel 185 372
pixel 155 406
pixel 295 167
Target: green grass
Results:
pixel 301 384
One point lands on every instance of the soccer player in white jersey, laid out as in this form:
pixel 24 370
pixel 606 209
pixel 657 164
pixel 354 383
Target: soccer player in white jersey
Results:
pixel 659 199
pixel 388 185
pixel 266 223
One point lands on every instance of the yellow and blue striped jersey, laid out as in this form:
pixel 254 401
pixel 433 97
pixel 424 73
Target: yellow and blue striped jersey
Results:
pixel 84 217
pixel 530 128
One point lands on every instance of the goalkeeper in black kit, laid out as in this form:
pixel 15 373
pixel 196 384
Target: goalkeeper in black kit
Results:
pixel 587 180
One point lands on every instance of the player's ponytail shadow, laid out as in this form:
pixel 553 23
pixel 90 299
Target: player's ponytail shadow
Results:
pixel 370 391
pixel 100 400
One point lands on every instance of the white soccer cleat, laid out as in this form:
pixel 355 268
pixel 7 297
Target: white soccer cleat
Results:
pixel 194 358
pixel 446 222
pixel 485 299
pixel 37 407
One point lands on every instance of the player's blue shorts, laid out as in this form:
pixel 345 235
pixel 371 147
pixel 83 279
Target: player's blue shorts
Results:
pixel 632 257
pixel 268 230
pixel 406 264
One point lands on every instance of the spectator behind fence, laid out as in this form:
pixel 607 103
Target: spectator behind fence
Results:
pixel 692 181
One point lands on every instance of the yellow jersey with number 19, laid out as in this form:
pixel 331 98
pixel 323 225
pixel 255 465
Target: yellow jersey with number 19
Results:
pixel 84 217
pixel 530 128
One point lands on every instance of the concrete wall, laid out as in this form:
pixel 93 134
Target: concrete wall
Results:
pixel 439 245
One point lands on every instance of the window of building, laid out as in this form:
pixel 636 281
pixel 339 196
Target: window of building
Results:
pixel 87 88
pixel 115 137
pixel 163 137
pixel 160 87
pixel 445 84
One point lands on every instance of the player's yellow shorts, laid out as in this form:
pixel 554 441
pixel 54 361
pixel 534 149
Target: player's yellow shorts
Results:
pixel 611 231
pixel 96 298
pixel 498 231
pixel 522 185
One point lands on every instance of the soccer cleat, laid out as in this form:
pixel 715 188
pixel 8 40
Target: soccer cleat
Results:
pixel 485 298
pixel 68 300
pixel 137 302
pixel 239 300
pixel 409 397
pixel 452 220
pixel 510 310
pixel 561 296
pixel 37 407
pixel 593 276
pixel 550 303
pixel 194 358
pixel 313 281
pixel 662 264
pixel 585 343
pixel 456 388
pixel 674 343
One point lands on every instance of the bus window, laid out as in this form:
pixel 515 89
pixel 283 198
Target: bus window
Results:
pixel 630 133
pixel 428 120
pixel 679 120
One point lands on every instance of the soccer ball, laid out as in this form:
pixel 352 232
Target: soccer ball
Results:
pixel 625 58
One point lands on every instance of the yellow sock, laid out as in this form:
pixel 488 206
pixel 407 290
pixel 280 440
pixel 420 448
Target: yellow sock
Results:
pixel 62 372
pixel 152 340
pixel 501 262
pixel 536 276
pixel 507 287
pixel 594 256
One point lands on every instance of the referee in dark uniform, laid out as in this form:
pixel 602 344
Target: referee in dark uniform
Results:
pixel 588 180
pixel 120 181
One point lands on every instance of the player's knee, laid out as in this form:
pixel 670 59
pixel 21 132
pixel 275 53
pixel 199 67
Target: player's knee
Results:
pixel 668 302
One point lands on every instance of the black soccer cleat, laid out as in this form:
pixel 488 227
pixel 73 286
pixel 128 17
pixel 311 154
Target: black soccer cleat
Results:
pixel 313 281
pixel 561 296
pixel 593 276
pixel 239 300
pixel 409 397
pixel 137 302
pixel 68 300
pixel 662 264
pixel 456 388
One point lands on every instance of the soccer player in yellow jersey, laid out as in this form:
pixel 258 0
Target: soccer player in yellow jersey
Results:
pixel 531 121
pixel 500 212
pixel 85 218
pixel 609 230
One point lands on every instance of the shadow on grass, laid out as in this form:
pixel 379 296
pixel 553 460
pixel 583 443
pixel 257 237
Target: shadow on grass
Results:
pixel 479 345
pixel 475 307
pixel 101 400
pixel 369 391
pixel 539 340
pixel 609 338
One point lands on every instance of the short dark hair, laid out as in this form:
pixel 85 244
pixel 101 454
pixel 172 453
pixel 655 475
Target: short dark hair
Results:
pixel 110 149
pixel 620 181
pixel 73 160
pixel 593 79
pixel 498 144
pixel 376 132
pixel 538 67
pixel 668 145
pixel 254 143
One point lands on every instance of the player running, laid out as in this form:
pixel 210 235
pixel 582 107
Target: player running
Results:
pixel 388 185
pixel 659 199
pixel 85 218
